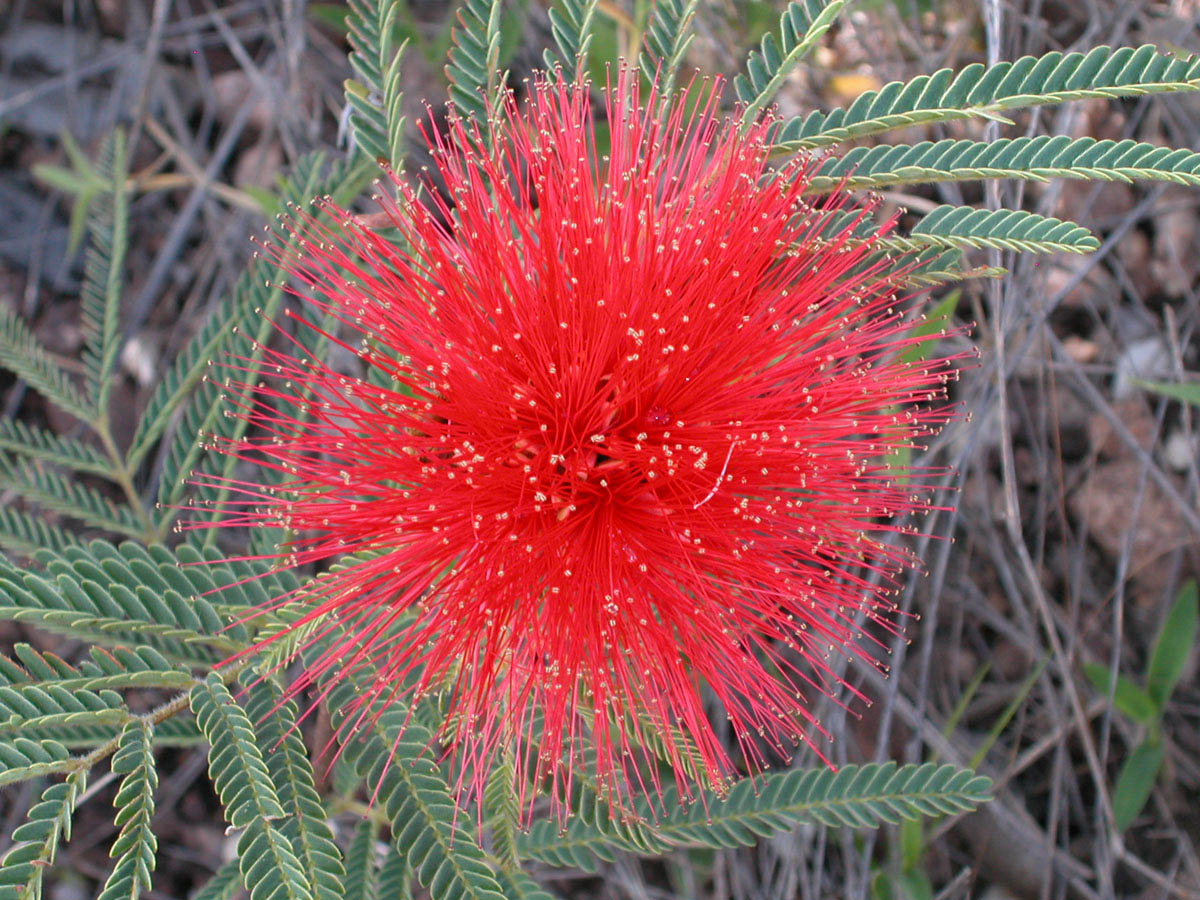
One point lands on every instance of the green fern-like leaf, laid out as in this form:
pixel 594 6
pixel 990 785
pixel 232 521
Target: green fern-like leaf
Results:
pixel 362 867
pixel 668 35
pixel 266 857
pixel 571 26
pixel 801 27
pixel 306 825
pixel 51 490
pixel 594 834
pixel 28 665
pixel 924 265
pixel 40 444
pixel 126 596
pixel 1027 158
pixel 474 61
pixel 36 841
pixel 49 711
pixel 206 419
pixel 395 877
pixel 931 267
pixel 241 583
pixel 284 637
pixel 858 796
pixel 78 729
pixel 215 337
pixel 439 845
pixel 502 813
pixel 42 697
pixel 188 455
pixel 986 92
pixel 965 227
pixel 136 844
pixel 22 759
pixel 23 355
pixel 25 535
pixel 103 273
pixel 122 667
pixel 519 886
pixel 374 93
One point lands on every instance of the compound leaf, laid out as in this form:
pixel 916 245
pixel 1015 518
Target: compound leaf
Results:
pixel 1037 158
pixel 668 34
pixel 36 841
pixel 240 777
pixel 965 227
pixel 571 26
pixel 23 355
pixel 801 27
pixel 136 844
pixel 104 274
pixel 374 94
pixel 474 62
pixel 985 92
pixel 306 824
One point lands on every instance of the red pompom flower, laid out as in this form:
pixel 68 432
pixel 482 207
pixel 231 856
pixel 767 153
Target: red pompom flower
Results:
pixel 620 461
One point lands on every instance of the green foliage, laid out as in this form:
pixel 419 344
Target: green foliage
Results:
pixel 374 94
pixel 595 833
pixel 102 204
pixel 36 842
pixel 209 411
pixel 123 596
pixel 258 288
pixel 965 227
pixel 82 181
pixel 502 813
pixel 136 844
pixel 668 35
pixel 985 92
pixel 44 698
pixel 474 61
pixel 441 849
pixel 48 489
pixel 857 796
pixel 231 332
pixel 362 866
pixel 571 26
pixel 23 355
pixel 142 667
pixel 1037 158
pixel 24 535
pixel 1129 698
pixel 1136 781
pixel 801 27
pixel 266 857
pixel 22 759
pixel 1147 706
pixel 103 274
pixel 41 444
pixel 1173 645
pixel 395 877
pixel 51 711
pixel 519 886
pixel 30 456
pixel 306 826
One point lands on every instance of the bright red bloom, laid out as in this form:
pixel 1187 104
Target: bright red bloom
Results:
pixel 632 444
